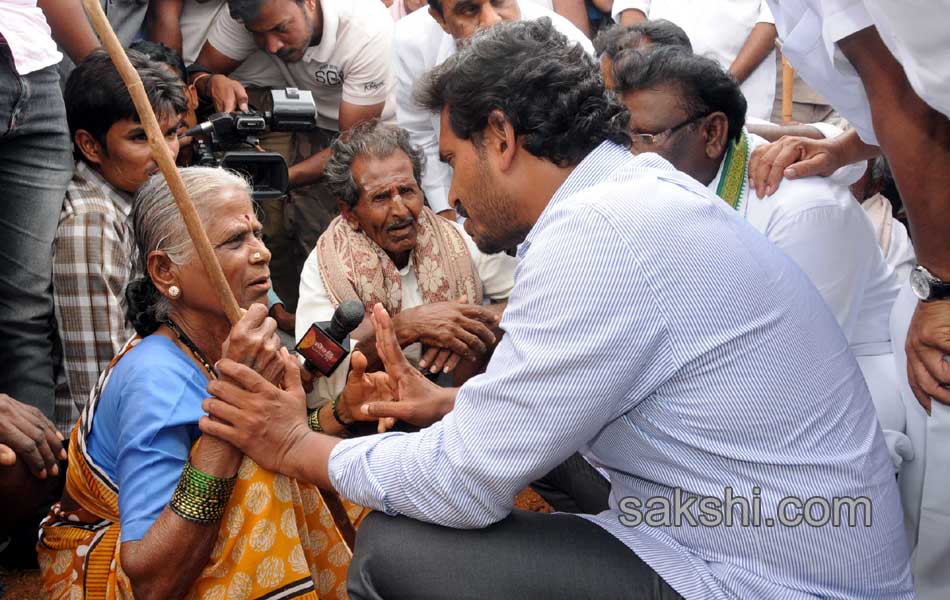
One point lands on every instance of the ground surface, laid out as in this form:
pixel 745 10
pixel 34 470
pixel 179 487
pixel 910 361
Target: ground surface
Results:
pixel 25 584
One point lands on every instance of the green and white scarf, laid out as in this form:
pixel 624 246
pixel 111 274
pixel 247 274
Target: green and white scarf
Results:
pixel 735 172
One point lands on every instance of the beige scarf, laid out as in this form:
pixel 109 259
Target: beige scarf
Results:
pixel 354 267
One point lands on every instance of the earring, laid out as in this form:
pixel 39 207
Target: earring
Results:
pixel 174 291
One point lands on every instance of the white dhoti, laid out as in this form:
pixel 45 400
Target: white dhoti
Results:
pixel 925 478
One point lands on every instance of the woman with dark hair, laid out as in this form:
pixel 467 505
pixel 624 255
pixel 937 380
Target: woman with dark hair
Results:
pixel 150 509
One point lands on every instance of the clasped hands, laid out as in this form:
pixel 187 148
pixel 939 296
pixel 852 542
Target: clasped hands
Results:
pixel 266 421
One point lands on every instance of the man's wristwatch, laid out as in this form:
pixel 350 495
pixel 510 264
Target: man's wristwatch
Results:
pixel 927 287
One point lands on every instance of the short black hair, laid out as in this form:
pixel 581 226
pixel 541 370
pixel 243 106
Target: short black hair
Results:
pixel 96 97
pixel 547 87
pixel 704 85
pixel 161 53
pixel 436 5
pixel 660 32
pixel 246 11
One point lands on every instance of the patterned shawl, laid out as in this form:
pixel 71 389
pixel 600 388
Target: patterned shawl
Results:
pixel 354 267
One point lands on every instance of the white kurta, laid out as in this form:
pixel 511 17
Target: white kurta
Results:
pixel 718 30
pixel 420 45
pixel 925 485
pixel 495 270
pixel 913 30
pixel 820 226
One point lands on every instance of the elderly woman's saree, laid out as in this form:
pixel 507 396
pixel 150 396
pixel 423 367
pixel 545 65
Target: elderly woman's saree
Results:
pixel 277 539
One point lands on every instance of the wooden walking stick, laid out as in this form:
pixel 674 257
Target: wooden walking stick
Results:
pixel 163 156
pixel 788 85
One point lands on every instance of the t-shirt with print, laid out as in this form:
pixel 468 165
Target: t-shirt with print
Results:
pixel 352 62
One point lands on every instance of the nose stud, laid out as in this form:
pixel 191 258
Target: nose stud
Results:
pixel 256 256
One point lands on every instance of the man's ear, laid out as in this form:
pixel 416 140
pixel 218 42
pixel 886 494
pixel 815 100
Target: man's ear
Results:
pixel 716 133
pixel 191 94
pixel 500 135
pixel 162 271
pixel 90 147
pixel 439 19
pixel 347 213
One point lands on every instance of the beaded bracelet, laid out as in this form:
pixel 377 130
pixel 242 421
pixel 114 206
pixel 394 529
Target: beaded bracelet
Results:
pixel 199 497
pixel 314 421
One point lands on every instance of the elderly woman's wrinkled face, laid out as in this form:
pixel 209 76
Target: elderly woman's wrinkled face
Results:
pixel 235 235
pixel 390 201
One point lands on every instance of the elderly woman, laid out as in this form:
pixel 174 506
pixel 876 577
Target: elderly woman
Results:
pixel 152 508
pixel 387 246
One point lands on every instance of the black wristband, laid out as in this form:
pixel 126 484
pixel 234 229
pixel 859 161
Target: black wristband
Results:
pixel 194 68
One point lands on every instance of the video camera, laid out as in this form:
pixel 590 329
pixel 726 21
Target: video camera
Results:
pixel 223 139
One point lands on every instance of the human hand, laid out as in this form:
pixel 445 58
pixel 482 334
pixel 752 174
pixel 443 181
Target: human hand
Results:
pixel 791 157
pixel 928 353
pixel 227 94
pixel 253 341
pixel 439 359
pixel 286 320
pixel 465 329
pixel 418 400
pixel 262 420
pixel 26 434
pixel 362 388
pixel 307 379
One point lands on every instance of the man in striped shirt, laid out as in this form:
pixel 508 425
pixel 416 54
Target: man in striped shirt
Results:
pixel 649 328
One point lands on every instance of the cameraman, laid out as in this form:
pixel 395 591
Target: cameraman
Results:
pixel 341 52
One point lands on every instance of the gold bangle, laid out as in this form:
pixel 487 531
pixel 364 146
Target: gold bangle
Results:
pixel 314 420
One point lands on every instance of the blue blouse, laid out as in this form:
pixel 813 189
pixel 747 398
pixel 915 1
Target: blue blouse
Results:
pixel 144 426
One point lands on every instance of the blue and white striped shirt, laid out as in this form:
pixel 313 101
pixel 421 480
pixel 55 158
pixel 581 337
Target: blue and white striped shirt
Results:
pixel 667 340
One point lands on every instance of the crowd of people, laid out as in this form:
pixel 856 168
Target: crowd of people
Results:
pixel 594 261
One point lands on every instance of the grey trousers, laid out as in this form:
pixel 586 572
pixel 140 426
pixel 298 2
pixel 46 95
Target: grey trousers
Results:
pixel 525 556
pixel 35 166
pixel 574 486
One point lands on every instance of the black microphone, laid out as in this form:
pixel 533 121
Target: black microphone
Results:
pixel 325 345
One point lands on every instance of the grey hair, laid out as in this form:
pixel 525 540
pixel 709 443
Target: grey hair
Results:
pixel 373 139
pixel 158 225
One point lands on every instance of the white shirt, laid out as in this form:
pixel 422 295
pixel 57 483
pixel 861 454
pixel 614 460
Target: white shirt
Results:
pixel 421 44
pixel 258 70
pixel 914 31
pixel 195 21
pixel 352 63
pixel 495 270
pixel 23 26
pixel 827 233
pixel 718 29
pixel 654 331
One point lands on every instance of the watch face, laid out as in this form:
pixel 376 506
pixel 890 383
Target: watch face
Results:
pixel 920 283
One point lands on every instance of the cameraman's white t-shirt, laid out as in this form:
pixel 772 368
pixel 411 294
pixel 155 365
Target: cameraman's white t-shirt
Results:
pixel 258 70
pixel 352 62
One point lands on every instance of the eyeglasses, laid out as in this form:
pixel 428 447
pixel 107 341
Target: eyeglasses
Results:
pixel 651 139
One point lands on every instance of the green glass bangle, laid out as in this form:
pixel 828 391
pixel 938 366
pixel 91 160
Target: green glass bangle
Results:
pixel 199 497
